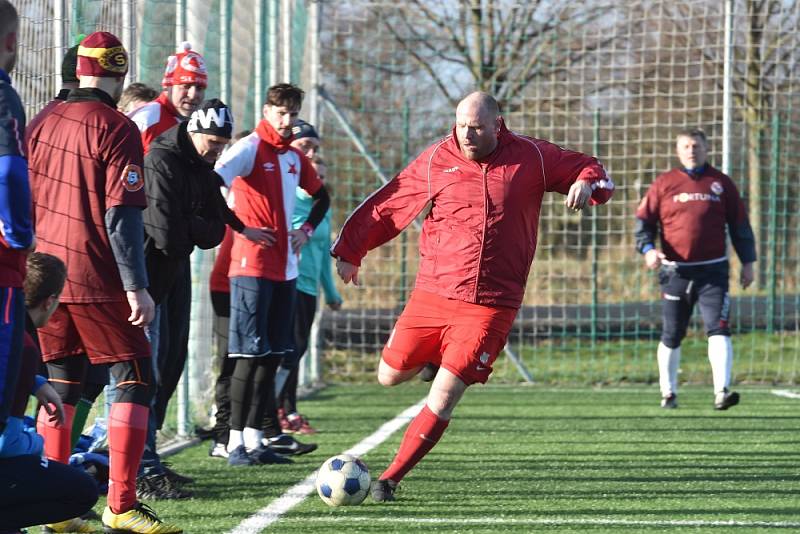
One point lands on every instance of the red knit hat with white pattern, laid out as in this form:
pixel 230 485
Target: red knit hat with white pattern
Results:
pixel 185 68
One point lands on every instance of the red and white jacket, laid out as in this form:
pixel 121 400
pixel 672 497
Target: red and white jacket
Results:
pixel 479 238
pixel 155 118
pixel 263 172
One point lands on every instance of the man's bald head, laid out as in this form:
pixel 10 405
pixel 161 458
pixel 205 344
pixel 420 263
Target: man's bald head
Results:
pixel 482 102
pixel 477 125
pixel 9 24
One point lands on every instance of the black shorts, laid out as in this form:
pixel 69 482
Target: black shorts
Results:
pixel 682 287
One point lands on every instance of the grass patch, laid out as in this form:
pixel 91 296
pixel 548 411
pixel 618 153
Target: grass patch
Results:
pixel 525 459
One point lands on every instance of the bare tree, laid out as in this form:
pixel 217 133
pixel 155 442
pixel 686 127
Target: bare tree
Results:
pixel 494 46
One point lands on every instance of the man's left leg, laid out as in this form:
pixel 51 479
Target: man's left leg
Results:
pixel 714 303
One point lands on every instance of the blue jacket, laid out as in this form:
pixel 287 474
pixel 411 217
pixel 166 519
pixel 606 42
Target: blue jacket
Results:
pixel 315 258
pixel 16 225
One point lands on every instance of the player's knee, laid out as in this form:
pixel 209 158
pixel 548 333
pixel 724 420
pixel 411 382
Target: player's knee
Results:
pixel 671 339
pixel 68 392
pixel 388 378
pixel 442 407
pixel 719 331
pixel 442 402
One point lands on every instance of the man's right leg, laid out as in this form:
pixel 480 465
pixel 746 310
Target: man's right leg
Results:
pixel 676 309
pixel 66 376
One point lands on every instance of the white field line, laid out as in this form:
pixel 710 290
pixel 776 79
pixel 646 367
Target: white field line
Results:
pixel 553 521
pixel 297 493
pixel 786 393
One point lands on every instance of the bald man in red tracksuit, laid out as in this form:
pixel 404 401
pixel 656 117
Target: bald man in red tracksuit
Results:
pixel 485 185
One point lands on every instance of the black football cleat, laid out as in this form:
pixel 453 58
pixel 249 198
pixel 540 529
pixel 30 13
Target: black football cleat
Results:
pixel 726 399
pixel 670 402
pixel 383 490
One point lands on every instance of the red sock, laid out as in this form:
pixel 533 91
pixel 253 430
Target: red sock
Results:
pixel 127 432
pixel 57 438
pixel 421 435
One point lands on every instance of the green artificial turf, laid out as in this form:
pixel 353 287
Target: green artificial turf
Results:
pixel 525 459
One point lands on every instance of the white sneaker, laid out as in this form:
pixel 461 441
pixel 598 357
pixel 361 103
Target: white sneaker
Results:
pixel 218 450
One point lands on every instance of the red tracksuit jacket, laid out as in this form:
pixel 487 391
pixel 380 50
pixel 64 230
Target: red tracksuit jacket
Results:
pixel 479 238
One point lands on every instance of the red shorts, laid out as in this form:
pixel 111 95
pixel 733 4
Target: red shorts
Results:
pixel 100 330
pixel 463 338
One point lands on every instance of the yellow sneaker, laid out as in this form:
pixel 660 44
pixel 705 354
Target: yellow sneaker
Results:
pixel 70 525
pixel 141 518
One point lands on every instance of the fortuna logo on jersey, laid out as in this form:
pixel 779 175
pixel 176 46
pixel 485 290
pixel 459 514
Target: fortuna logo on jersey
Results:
pixel 695 197
pixel 269 166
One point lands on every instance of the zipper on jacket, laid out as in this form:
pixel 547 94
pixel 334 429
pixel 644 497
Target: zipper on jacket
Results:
pixel 485 170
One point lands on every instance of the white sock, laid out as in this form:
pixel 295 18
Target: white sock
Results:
pixel 235 439
pixel 720 356
pixel 252 437
pixel 668 362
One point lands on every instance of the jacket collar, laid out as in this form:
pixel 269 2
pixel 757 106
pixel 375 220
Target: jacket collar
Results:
pixel 82 94
pixel 63 94
pixel 177 141
pixel 268 134
pixel 165 102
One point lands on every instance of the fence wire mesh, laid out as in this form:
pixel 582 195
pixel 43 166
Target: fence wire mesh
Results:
pixel 615 79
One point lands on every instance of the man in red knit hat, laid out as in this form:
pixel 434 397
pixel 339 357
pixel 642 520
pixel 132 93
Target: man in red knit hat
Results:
pixel 185 81
pixel 88 190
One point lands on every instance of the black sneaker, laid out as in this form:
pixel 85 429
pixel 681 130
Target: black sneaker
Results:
pixel 287 445
pixel 670 402
pixel 239 457
pixel 383 490
pixel 175 477
pixel 264 455
pixel 428 372
pixel 159 487
pixel 726 399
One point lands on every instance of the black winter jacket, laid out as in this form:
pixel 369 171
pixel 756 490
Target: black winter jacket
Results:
pixel 185 207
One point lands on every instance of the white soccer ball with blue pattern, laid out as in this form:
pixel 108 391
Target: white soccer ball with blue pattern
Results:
pixel 343 480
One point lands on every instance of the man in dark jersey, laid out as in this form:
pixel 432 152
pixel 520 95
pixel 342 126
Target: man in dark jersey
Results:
pixel 88 193
pixel 690 208
pixel 16 229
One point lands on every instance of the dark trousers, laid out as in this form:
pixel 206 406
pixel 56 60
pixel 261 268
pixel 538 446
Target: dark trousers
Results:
pixel 173 344
pixel 305 309
pixel 34 491
pixel 221 303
